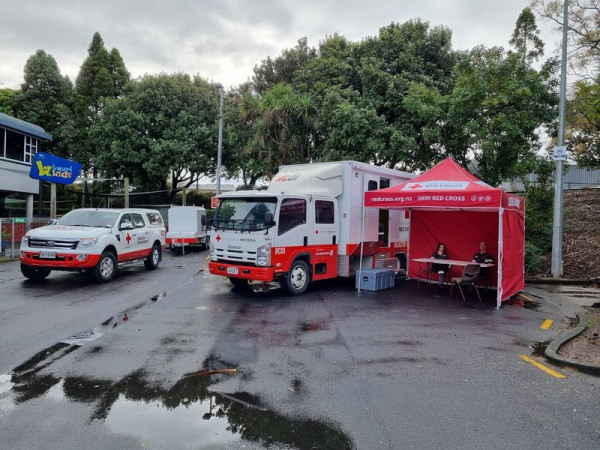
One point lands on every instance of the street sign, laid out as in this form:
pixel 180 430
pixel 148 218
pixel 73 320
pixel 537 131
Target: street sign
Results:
pixel 214 202
pixel 560 153
pixel 20 220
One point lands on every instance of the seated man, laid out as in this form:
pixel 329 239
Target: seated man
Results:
pixel 483 257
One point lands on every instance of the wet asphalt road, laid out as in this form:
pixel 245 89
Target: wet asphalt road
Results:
pixel 177 358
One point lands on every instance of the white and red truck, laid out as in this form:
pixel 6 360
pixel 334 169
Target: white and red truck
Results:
pixel 187 226
pixel 308 226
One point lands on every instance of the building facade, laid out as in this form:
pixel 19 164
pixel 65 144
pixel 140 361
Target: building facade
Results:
pixel 19 142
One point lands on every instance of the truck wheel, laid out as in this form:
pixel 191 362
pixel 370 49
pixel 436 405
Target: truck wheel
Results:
pixel 207 243
pixel 153 258
pixel 298 278
pixel 34 274
pixel 106 269
pixel 240 283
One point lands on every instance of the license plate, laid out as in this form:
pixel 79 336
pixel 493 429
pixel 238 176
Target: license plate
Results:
pixel 232 270
pixel 47 255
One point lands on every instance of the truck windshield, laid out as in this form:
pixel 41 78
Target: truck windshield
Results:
pixel 87 218
pixel 244 214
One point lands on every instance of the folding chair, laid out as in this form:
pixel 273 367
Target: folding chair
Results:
pixel 467 281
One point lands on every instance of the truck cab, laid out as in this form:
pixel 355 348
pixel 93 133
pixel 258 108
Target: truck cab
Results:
pixel 264 236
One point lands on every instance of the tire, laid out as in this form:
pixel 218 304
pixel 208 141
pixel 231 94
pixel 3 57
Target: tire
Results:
pixel 207 243
pixel 298 278
pixel 153 258
pixel 240 283
pixel 106 269
pixel 34 274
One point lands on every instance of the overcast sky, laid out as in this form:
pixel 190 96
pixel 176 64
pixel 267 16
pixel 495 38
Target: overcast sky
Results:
pixel 222 40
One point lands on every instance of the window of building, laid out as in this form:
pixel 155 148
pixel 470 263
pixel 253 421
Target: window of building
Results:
pixel 31 145
pixel 2 142
pixel 15 145
pixel 324 212
pixel 291 214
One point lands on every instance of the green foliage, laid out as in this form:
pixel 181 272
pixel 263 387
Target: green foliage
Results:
pixel 499 102
pixel 526 38
pixel 534 258
pixel 282 124
pixel 164 127
pixel 583 129
pixel 539 208
pixel 45 99
pixel 102 76
pixel 7 96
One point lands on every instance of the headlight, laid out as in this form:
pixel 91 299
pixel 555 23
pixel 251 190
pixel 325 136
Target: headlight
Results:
pixel 263 255
pixel 87 242
pixel 25 240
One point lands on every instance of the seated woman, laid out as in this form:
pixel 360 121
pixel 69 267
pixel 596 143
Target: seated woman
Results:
pixel 440 269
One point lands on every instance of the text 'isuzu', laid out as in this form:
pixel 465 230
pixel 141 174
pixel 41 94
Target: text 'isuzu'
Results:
pixel 308 226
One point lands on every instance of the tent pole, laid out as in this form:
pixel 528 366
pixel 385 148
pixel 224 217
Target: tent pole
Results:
pixel 362 244
pixel 500 258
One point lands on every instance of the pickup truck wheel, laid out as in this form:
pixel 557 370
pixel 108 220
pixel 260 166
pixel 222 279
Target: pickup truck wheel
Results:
pixel 298 278
pixel 34 274
pixel 106 269
pixel 241 283
pixel 153 258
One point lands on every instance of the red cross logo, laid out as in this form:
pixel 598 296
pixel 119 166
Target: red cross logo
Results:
pixel 416 186
pixel 218 237
pixel 128 238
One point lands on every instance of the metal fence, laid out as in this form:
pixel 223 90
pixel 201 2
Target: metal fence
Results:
pixel 12 231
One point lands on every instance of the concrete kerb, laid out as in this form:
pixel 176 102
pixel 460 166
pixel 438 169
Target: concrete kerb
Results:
pixel 551 352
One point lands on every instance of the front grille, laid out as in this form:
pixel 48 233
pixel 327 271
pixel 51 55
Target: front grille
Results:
pixel 51 243
pixel 237 256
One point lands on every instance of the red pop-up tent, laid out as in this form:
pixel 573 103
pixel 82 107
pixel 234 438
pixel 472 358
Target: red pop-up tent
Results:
pixel 448 204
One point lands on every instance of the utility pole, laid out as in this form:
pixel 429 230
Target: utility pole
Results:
pixel 560 155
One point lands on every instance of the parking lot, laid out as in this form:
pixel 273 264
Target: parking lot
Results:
pixel 177 358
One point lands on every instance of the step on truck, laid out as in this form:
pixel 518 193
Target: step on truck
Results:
pixel 308 226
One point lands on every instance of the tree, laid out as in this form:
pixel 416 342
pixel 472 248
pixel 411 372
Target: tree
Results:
pixel 498 105
pixel 45 99
pixel 525 37
pixel 583 127
pixel 102 76
pixel 583 37
pixel 284 68
pixel 7 96
pixel 283 123
pixel 163 129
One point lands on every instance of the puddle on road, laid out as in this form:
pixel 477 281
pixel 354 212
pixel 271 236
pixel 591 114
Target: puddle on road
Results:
pixel 187 414
pixel 24 380
pixel 532 305
pixel 539 348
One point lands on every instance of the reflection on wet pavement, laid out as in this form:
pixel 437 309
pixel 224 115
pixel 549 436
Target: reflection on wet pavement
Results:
pixel 185 415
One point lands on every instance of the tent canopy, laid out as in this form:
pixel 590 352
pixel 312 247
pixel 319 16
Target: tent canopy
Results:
pixel 448 204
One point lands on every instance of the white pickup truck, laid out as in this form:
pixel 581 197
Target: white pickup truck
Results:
pixel 95 241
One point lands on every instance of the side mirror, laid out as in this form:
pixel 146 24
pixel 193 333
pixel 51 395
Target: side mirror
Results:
pixel 126 226
pixel 52 221
pixel 268 218
pixel 203 220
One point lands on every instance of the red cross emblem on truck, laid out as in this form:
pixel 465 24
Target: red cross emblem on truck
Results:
pixel 218 238
pixel 128 238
